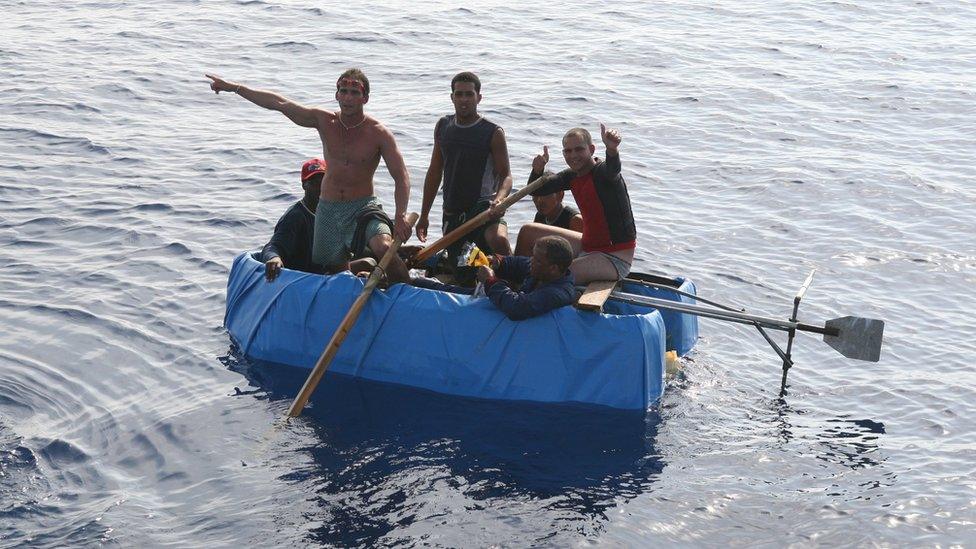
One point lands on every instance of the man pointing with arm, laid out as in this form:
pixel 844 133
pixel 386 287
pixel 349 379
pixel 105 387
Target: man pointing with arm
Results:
pixel 352 144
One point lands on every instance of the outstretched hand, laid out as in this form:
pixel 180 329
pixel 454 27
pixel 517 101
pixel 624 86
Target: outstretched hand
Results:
pixel 218 84
pixel 611 138
pixel 540 160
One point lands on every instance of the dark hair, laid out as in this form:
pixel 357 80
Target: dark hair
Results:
pixel 466 77
pixel 557 251
pixel 582 133
pixel 355 74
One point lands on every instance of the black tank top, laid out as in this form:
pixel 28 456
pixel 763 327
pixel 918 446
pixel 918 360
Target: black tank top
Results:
pixel 562 220
pixel 469 171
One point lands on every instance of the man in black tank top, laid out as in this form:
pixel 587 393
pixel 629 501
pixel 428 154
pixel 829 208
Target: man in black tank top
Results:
pixel 552 211
pixel 471 155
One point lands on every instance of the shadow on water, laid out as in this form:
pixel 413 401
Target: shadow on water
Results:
pixel 388 456
pixel 852 443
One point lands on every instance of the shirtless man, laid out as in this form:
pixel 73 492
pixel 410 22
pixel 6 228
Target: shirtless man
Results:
pixel 352 144
pixel 471 155
pixel 609 235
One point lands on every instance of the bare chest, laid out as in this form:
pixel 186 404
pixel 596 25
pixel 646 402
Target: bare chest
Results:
pixel 353 147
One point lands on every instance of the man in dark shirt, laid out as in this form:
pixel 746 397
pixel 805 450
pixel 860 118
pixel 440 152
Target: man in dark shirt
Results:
pixel 547 283
pixel 550 212
pixel 471 155
pixel 291 244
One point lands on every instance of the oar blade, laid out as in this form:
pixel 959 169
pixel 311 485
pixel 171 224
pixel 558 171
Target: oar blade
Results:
pixel 858 338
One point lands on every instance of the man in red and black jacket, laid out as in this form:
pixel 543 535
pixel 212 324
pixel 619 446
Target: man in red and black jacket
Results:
pixel 609 234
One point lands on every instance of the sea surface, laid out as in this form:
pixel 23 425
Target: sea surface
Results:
pixel 761 140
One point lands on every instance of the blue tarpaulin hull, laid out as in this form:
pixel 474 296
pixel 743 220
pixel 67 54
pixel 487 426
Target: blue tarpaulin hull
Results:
pixel 455 344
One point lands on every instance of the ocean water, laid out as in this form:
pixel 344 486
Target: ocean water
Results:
pixel 760 140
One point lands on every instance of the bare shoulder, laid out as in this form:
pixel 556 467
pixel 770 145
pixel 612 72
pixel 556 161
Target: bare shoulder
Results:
pixel 498 142
pixel 324 116
pixel 379 130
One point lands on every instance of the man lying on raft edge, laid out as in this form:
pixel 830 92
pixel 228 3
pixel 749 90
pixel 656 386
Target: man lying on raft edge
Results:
pixel 546 281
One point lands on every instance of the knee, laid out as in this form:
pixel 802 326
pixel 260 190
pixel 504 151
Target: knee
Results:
pixel 499 243
pixel 380 243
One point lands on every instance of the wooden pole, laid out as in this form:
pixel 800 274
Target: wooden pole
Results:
pixel 345 326
pixel 474 222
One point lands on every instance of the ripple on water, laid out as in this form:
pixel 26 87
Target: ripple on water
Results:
pixel 60 453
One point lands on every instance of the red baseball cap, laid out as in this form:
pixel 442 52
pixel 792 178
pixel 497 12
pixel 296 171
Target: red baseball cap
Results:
pixel 312 167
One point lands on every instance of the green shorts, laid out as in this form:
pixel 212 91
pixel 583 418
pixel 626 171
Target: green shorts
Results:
pixel 335 224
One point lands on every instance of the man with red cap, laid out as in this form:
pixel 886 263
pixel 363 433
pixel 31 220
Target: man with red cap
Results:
pixel 291 244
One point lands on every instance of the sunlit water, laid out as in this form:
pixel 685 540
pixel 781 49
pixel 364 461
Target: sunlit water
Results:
pixel 761 140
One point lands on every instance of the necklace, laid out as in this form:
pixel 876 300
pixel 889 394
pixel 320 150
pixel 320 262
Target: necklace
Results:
pixel 555 217
pixel 354 126
pixel 345 139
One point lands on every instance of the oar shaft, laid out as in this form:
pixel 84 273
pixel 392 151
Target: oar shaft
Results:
pixel 682 293
pixel 731 316
pixel 325 360
pixel 345 326
pixel 762 331
pixel 475 222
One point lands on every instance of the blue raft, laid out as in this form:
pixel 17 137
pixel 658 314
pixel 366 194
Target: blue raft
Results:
pixel 460 345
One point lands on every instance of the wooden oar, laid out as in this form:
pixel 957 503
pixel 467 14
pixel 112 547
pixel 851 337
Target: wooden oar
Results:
pixel 474 222
pixel 345 326
pixel 853 337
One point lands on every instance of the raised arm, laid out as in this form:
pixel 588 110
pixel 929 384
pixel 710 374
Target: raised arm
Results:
pixel 299 114
pixel 401 179
pixel 554 181
pixel 432 182
pixel 611 140
pixel 539 164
